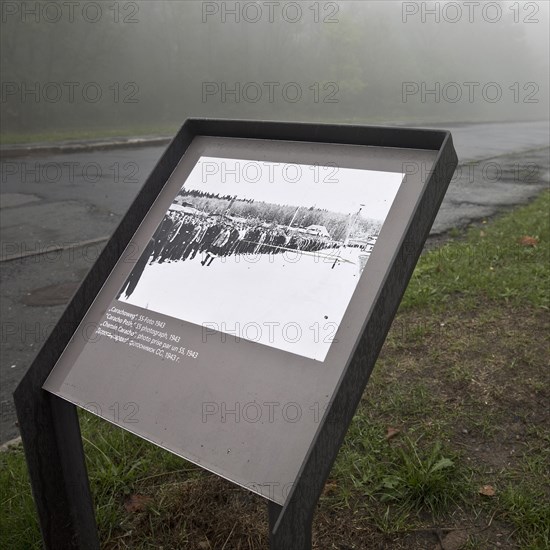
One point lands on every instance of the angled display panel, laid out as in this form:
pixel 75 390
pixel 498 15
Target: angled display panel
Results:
pixel 226 327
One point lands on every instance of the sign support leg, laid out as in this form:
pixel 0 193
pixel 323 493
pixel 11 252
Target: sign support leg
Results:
pixel 293 533
pixel 51 437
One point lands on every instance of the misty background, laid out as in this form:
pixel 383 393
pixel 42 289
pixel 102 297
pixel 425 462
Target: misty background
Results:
pixel 143 67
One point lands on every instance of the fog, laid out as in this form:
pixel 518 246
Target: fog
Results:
pixel 144 67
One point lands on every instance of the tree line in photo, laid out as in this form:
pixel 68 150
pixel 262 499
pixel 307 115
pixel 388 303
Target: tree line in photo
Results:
pixel 281 214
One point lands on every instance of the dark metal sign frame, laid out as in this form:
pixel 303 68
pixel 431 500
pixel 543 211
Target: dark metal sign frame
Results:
pixel 49 425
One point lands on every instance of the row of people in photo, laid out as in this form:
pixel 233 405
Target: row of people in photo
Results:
pixel 182 236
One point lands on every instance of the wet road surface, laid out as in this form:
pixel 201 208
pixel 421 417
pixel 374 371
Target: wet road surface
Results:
pixel 57 211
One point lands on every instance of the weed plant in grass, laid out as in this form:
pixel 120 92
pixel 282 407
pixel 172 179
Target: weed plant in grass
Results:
pixel 458 400
pixel 395 481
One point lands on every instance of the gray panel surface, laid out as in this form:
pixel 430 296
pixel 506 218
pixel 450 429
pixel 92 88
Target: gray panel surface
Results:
pixel 180 406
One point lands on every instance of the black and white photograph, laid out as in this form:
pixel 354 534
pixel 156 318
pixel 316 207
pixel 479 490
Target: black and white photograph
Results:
pixel 262 251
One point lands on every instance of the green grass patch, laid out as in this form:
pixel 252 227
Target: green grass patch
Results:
pixel 458 401
pixel 121 464
pixel 18 521
pixel 527 507
pixel 86 134
pixel 497 262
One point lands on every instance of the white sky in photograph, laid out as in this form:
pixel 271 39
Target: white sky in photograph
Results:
pixel 333 188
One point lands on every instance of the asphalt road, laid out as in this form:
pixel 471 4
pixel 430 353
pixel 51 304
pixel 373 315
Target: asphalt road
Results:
pixel 67 204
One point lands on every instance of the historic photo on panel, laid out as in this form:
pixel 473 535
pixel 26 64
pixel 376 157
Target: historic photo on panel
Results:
pixel 263 251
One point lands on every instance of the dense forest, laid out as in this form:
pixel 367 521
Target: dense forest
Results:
pixel 151 64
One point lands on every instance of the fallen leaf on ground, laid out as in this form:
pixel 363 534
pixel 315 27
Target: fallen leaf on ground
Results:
pixel 392 432
pixel 454 540
pixel 136 503
pixel 487 491
pixel 526 240
pixel 330 487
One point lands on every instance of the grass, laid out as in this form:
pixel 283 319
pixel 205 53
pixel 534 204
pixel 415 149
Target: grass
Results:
pixel 492 264
pixel 18 521
pixel 528 509
pixel 77 134
pixel 458 401
pixel 82 134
